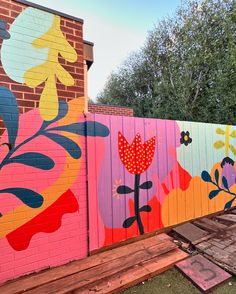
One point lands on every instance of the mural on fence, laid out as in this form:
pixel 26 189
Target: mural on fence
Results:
pixel 156 173
pixel 40 155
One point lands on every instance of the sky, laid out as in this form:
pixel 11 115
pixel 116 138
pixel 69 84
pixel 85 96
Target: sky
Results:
pixel 116 27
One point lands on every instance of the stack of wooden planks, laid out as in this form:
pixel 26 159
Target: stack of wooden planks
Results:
pixel 214 237
pixel 106 272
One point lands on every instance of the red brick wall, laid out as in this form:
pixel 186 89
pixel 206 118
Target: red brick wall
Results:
pixel 28 98
pixel 66 240
pixel 111 110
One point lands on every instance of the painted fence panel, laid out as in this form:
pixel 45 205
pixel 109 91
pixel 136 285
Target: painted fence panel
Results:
pixel 150 173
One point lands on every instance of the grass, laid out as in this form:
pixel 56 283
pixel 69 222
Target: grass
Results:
pixel 173 282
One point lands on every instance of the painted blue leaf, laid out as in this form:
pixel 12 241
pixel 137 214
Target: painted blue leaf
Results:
pixel 9 113
pixel 229 204
pixel 70 146
pixel 96 129
pixel 92 129
pixel 146 185
pixel 33 159
pixel 145 208
pixel 4 34
pixel 124 190
pixel 213 194
pixel 225 183
pixel 62 112
pixel 217 176
pixel 205 176
pixel 3 30
pixel 3 24
pixel 128 222
pixel 28 197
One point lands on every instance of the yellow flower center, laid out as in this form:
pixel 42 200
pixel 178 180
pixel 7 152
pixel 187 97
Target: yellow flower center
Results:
pixel 185 138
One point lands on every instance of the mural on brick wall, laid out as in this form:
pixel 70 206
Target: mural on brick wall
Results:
pixel 157 173
pixel 40 153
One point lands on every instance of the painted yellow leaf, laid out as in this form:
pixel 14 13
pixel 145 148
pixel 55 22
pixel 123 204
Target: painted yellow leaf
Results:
pixel 51 70
pixel 64 77
pixel 219 144
pixel 231 147
pixel 220 131
pixel 233 134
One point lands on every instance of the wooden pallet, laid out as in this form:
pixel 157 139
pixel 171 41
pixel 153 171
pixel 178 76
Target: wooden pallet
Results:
pixel 106 272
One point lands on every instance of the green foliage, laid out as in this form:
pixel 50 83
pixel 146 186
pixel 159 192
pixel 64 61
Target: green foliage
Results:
pixel 186 69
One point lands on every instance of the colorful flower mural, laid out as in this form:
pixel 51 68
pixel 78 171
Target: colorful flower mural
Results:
pixel 42 150
pixel 136 157
pixel 185 138
pixel 142 187
pixel 60 169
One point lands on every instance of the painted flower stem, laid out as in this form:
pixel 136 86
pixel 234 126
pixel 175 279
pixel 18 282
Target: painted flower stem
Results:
pixel 136 203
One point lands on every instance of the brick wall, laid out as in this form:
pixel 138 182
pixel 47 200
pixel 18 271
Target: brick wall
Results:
pixel 33 237
pixel 28 98
pixel 111 110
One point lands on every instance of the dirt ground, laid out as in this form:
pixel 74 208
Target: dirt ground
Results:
pixel 173 282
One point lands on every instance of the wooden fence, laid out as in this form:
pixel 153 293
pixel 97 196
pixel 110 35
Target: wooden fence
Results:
pixel 150 173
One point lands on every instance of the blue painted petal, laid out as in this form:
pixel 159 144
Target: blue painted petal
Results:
pixel 9 113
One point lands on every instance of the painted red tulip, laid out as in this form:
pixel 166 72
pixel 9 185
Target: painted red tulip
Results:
pixel 136 157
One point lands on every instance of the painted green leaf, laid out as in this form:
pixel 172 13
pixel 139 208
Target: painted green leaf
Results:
pixel 206 177
pixel 124 190
pixel 219 144
pixel 213 194
pixel 146 185
pixel 128 222
pixel 220 131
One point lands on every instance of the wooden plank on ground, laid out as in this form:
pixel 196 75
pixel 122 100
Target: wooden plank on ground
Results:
pixel 135 274
pixel 207 237
pixel 202 272
pixel 84 278
pixel 233 211
pixel 210 225
pixel 44 277
pixel 227 217
pixel 190 232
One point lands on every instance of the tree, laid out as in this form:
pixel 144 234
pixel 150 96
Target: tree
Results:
pixel 186 69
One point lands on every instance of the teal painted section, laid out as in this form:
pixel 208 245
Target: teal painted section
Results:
pixel 197 157
pixel 18 54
